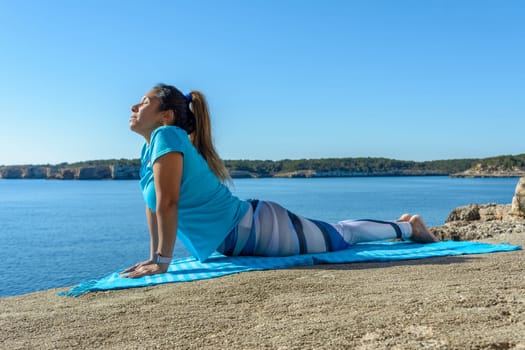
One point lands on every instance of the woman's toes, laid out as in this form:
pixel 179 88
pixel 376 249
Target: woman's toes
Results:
pixel 404 217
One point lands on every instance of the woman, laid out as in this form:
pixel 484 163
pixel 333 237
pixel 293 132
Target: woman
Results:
pixel 182 180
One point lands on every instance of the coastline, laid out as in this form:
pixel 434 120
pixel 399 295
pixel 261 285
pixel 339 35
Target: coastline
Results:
pixel 113 172
pixel 123 169
pixel 467 302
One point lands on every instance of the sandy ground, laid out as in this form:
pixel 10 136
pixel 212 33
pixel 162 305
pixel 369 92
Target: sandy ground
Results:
pixel 466 302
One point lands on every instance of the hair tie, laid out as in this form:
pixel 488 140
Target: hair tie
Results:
pixel 188 97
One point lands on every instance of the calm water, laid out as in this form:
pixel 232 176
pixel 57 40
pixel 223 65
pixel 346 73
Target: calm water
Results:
pixel 59 233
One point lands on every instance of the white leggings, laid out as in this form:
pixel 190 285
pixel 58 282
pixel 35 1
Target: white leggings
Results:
pixel 268 229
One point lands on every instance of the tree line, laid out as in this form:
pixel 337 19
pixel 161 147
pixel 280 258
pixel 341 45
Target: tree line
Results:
pixel 357 165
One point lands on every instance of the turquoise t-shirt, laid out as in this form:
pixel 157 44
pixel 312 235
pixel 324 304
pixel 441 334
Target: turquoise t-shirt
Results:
pixel 207 209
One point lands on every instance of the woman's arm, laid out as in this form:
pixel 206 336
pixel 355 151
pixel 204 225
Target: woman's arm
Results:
pixel 167 174
pixel 151 217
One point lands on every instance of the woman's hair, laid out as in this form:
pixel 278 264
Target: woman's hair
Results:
pixel 191 114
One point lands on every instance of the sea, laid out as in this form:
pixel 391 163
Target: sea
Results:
pixel 57 233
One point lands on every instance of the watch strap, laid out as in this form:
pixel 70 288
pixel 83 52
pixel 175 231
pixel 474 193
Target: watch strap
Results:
pixel 159 259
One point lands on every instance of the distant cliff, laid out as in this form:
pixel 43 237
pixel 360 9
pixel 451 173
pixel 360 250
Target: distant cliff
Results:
pixel 502 166
pixel 100 172
pixel 495 172
pixel 113 172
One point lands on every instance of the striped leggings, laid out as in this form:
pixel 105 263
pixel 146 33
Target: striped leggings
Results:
pixel 268 229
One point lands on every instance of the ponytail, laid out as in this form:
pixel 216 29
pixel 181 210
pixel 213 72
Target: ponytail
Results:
pixel 191 114
pixel 201 136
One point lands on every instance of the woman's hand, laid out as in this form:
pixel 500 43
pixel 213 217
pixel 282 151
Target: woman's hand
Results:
pixel 138 270
pixel 137 265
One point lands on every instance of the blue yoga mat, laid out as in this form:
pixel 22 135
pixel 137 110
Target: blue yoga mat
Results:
pixel 190 269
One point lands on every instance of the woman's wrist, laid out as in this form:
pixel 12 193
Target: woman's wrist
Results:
pixel 161 259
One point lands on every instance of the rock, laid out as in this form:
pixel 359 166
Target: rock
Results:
pixel 465 213
pixel 484 170
pixel 296 174
pixel 518 201
pixel 67 174
pixel 34 172
pixel 480 221
pixel 60 173
pixel 94 173
pixel 481 212
pixel 124 172
pixel 472 230
pixel 242 174
pixel 11 172
pixel 494 212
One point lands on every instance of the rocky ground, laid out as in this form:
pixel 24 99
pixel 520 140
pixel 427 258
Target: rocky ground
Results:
pixel 462 302
pixel 475 222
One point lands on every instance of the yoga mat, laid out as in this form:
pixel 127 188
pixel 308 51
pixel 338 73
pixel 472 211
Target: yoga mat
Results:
pixel 190 269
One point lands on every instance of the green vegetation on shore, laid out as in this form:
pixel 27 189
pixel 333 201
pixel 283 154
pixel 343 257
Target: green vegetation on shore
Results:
pixel 105 162
pixel 503 162
pixel 354 165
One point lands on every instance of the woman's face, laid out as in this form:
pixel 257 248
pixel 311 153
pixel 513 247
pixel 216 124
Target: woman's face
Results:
pixel 146 116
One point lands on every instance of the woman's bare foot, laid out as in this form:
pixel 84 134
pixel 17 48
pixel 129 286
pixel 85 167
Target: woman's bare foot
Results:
pixel 420 232
pixel 404 218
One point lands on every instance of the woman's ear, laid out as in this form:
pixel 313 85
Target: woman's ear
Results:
pixel 168 117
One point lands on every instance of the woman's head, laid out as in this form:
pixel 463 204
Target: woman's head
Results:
pixel 166 105
pixel 171 99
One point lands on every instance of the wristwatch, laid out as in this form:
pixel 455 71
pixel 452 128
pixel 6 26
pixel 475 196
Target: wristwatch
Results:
pixel 159 259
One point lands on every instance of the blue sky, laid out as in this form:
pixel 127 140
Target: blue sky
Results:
pixel 411 80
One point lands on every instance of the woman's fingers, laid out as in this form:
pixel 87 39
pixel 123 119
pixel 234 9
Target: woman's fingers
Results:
pixel 145 270
pixel 129 269
pixel 136 266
